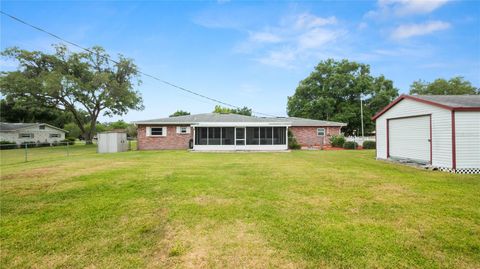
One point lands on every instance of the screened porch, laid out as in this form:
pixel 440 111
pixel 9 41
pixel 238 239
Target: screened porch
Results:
pixel 241 138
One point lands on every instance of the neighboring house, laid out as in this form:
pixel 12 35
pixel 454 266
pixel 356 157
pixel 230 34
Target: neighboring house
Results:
pixel 441 130
pixel 212 131
pixel 30 132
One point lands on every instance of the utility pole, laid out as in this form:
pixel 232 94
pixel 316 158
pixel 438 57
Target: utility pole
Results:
pixel 361 113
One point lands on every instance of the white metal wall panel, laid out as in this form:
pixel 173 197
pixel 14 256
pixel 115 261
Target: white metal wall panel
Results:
pixel 467 134
pixel 441 129
pixel 123 142
pixel 112 142
pixel 409 138
pixel 102 143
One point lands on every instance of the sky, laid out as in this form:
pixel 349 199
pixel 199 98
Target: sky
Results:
pixel 254 53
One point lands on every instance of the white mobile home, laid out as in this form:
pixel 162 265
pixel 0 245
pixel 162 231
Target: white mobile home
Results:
pixel 30 133
pixel 440 130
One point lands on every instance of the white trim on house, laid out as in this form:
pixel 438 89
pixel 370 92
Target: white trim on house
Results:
pixel 239 148
pixel 323 131
pixel 183 129
pixel 149 131
pixel 241 124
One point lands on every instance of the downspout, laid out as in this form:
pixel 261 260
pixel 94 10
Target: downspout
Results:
pixel 454 146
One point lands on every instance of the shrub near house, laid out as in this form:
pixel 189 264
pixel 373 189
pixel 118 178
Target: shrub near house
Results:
pixel 368 144
pixel 350 145
pixel 337 141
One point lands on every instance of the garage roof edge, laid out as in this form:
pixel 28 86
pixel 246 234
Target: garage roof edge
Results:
pixel 429 102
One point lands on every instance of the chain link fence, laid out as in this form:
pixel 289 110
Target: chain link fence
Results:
pixel 27 152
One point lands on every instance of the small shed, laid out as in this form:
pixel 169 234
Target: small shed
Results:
pixel 439 130
pixel 112 141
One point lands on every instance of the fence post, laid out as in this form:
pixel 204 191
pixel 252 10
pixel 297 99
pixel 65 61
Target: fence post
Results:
pixel 26 152
pixel 68 154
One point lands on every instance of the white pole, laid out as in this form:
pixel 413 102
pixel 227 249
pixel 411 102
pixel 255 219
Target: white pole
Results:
pixel 361 113
pixel 194 136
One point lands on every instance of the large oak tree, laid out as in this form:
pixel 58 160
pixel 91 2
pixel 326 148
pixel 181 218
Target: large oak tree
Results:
pixel 225 110
pixel 75 82
pixel 333 91
pixel 440 86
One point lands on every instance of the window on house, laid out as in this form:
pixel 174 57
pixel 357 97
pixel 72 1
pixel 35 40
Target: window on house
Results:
pixel 54 135
pixel 156 131
pixel 321 131
pixel 42 127
pixel 25 135
pixel 182 130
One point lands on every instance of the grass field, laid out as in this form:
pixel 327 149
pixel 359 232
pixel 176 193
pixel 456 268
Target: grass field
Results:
pixel 163 209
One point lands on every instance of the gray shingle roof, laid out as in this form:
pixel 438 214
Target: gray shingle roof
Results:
pixel 5 126
pixel 309 122
pixel 453 100
pixel 11 127
pixel 216 117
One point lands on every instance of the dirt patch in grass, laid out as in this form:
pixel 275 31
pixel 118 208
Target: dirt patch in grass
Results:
pixel 52 179
pixel 28 174
pixel 212 200
pixel 72 170
pixel 212 245
pixel 386 191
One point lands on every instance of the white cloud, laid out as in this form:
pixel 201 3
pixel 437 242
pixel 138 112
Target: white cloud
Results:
pixel 317 37
pixel 283 58
pixel 362 26
pixel 294 38
pixel 308 21
pixel 265 37
pixel 387 8
pixel 407 7
pixel 410 30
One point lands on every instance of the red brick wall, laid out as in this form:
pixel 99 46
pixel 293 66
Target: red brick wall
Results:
pixel 171 141
pixel 307 136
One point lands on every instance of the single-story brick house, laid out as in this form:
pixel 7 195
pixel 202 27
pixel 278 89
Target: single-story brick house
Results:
pixel 213 131
pixel 30 132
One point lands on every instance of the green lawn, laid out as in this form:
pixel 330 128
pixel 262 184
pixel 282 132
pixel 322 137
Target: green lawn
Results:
pixel 179 209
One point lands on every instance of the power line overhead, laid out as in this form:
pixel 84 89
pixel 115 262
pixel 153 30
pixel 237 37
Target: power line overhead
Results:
pixel 139 71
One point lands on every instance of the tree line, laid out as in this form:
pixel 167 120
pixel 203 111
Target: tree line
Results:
pixel 71 90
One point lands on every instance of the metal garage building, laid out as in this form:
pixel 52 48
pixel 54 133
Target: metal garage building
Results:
pixel 440 130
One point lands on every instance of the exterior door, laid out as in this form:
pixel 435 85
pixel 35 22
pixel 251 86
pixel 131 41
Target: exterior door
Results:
pixel 410 138
pixel 240 137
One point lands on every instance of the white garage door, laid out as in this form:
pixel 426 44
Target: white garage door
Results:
pixel 409 138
